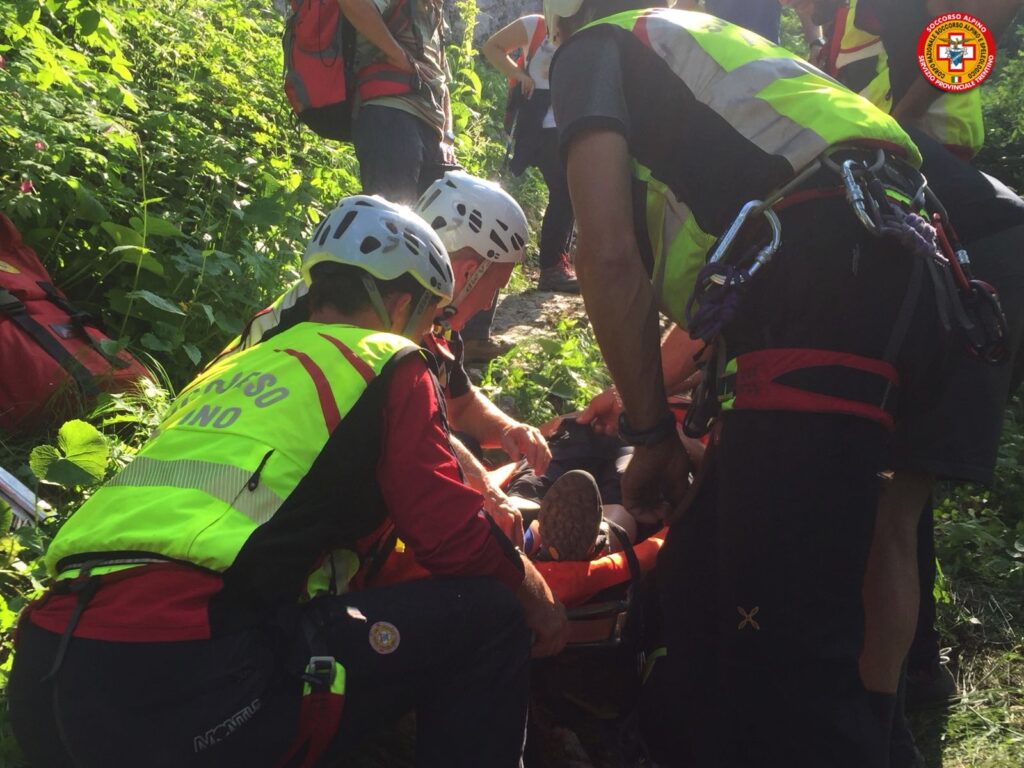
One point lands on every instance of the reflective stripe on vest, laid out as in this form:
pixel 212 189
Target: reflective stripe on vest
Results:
pixel 956 120
pixel 234 446
pixel 673 231
pixel 773 98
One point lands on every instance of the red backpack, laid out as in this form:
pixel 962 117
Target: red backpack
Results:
pixel 51 363
pixel 319 51
pixel 320 79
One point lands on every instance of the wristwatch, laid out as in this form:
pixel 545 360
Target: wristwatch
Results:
pixel 663 428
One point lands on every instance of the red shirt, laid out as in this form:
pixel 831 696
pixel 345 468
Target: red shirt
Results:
pixel 433 511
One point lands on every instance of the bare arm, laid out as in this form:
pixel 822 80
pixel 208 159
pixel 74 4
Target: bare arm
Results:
pixel 496 502
pixel 364 16
pixel 508 38
pixel 623 310
pixel 617 292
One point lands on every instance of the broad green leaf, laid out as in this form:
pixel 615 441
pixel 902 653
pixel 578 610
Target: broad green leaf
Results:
pixel 41 459
pixel 84 446
pixel 110 346
pixel 122 235
pixel 156 301
pixel 155 226
pixel 208 311
pixel 193 353
pixel 88 21
pixel 7 616
pixel 88 207
pixel 474 81
pixel 154 342
pixel 118 66
pixel 143 257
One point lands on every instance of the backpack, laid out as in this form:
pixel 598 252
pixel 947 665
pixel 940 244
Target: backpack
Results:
pixel 515 91
pixel 320 79
pixel 50 354
pixel 319 54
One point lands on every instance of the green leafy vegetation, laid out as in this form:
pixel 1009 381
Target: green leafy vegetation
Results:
pixel 548 377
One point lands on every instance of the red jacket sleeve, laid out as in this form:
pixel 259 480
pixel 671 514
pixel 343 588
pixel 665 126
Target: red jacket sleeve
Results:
pixel 435 513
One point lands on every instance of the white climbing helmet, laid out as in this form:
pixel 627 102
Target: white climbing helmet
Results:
pixel 468 212
pixel 559 9
pixel 386 241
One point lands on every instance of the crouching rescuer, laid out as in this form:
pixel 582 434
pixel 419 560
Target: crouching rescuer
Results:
pixel 202 610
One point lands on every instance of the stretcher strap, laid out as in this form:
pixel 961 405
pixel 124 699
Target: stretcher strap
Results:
pixel 323 699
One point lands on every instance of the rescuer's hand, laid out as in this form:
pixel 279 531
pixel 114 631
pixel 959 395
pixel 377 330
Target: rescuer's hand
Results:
pixel 524 441
pixel 602 413
pixel 656 479
pixel 525 82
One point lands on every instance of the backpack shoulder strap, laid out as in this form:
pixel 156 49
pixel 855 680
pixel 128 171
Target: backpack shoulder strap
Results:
pixel 536 40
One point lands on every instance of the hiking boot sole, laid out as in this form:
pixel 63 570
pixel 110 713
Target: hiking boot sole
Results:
pixel 570 517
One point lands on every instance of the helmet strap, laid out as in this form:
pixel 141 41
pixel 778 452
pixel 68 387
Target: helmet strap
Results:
pixel 377 301
pixel 471 282
pixel 417 313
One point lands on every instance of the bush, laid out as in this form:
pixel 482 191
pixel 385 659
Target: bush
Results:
pixel 149 157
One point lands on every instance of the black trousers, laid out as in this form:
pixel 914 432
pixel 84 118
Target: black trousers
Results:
pixel 461 661
pixel 556 229
pixel 399 154
pixel 762 580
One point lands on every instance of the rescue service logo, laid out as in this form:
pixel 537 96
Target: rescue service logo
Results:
pixel 384 637
pixel 956 52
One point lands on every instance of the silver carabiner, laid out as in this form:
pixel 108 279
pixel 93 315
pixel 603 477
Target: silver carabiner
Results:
pixel 855 196
pixel 766 253
pixel 725 241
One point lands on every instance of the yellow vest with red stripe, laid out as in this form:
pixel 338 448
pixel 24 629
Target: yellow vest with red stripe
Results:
pixel 234 446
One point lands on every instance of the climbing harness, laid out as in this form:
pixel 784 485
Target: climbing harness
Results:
pixel 730 270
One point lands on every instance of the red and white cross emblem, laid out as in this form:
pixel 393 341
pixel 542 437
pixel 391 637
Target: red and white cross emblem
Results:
pixel 956 53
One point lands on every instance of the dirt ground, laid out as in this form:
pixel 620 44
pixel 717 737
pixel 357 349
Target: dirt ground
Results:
pixel 533 313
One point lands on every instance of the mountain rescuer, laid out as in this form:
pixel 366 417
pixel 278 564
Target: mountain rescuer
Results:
pixel 775 215
pixel 200 611
pixel 485 232
pixel 874 52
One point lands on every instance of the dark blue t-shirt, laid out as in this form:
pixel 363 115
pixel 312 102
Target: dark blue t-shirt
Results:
pixel 760 16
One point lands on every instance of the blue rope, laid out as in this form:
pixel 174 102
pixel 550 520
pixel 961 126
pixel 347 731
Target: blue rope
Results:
pixel 717 303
